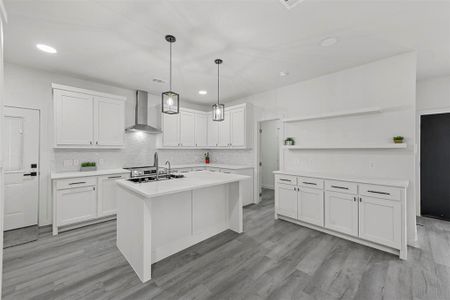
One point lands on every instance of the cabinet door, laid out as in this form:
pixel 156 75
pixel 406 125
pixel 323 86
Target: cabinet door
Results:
pixel 224 131
pixel 287 200
pixel 237 127
pixel 213 132
pixel 341 212
pixel 246 186
pixel 171 130
pixel 109 121
pixel 201 132
pixel 187 129
pixel 380 221
pixel 310 206
pixel 73 115
pixel 76 205
pixel 107 202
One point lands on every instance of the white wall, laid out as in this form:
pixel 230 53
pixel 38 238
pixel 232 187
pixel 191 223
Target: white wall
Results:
pixel 389 84
pixel 433 96
pixel 269 152
pixel 31 88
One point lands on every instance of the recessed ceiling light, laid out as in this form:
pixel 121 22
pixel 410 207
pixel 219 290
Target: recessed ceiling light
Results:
pixel 46 48
pixel 284 73
pixel 329 41
pixel 202 92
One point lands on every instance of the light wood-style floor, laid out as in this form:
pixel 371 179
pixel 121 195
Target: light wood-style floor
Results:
pixel 271 260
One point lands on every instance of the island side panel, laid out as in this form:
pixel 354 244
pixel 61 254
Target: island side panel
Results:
pixel 235 210
pixel 134 231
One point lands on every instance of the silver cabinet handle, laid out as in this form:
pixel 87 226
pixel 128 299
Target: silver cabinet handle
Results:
pixel 80 182
pixel 360 199
pixel 112 177
pixel 283 179
pixel 354 199
pixel 377 192
pixel 339 187
pixel 90 142
pixel 311 183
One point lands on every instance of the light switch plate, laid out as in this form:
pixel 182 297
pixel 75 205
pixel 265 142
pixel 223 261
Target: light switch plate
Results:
pixel 68 163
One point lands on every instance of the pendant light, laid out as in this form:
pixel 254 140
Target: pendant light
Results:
pixel 170 100
pixel 218 109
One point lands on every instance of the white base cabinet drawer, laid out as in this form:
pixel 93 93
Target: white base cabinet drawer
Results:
pixel 310 182
pixel 286 179
pixel 341 213
pixel 287 200
pixel 380 221
pixel 76 205
pixel 310 206
pixel 75 182
pixel 341 186
pixel 377 191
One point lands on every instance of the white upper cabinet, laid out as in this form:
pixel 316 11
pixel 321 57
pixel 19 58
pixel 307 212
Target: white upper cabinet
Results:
pixel 237 127
pixel 171 130
pixel 201 130
pixel 109 118
pixel 74 118
pixel 87 119
pixel 196 129
pixel 187 129
pixel 213 132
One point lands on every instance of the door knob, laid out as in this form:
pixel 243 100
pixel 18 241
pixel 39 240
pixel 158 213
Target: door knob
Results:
pixel 30 174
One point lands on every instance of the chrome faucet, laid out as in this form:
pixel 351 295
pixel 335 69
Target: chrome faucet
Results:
pixel 168 171
pixel 156 164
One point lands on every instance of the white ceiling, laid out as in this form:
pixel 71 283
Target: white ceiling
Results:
pixel 122 42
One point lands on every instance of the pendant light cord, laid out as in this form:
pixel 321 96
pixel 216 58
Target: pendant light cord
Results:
pixel 170 72
pixel 218 84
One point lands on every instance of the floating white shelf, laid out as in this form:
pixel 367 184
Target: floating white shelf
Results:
pixel 362 146
pixel 363 111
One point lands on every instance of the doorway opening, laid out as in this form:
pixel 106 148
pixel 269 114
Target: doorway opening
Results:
pixel 21 174
pixel 268 156
pixel 435 165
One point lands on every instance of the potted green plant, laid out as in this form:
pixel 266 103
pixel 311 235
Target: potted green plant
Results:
pixel 88 166
pixel 398 139
pixel 289 141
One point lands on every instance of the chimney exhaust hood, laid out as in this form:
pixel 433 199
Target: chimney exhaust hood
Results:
pixel 141 115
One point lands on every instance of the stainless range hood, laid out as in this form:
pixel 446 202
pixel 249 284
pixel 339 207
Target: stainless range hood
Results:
pixel 141 115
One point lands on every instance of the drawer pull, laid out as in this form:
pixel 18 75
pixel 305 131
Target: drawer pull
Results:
pixel 112 177
pixel 377 192
pixel 339 187
pixel 283 179
pixel 80 182
pixel 312 183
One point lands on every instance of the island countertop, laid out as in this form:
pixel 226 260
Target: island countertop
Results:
pixel 191 181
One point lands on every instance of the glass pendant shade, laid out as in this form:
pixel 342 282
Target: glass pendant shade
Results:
pixel 170 103
pixel 218 112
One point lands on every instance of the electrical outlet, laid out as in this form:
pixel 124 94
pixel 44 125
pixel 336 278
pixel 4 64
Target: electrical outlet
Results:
pixel 101 161
pixel 68 163
pixel 76 162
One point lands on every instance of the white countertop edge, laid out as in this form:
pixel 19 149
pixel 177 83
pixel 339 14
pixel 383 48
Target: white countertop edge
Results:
pixel 212 165
pixel 374 181
pixel 74 174
pixel 135 187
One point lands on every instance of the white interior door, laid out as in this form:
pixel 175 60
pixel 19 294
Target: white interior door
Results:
pixel 21 157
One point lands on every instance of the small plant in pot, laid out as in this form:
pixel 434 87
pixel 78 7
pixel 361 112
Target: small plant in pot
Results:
pixel 289 141
pixel 88 166
pixel 398 139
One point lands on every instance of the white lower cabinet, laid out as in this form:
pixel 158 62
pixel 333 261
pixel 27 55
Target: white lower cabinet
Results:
pixel 287 200
pixel 373 215
pixel 341 212
pixel 310 205
pixel 379 221
pixel 76 204
pixel 82 199
pixel 107 194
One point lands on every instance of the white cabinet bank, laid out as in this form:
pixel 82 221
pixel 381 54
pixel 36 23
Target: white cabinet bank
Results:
pixel 371 212
pixel 82 198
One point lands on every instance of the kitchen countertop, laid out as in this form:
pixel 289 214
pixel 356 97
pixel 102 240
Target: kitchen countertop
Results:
pixel 191 181
pixel 74 174
pixel 376 181
pixel 221 166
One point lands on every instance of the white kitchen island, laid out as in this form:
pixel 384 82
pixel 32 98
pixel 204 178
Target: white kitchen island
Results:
pixel 158 219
